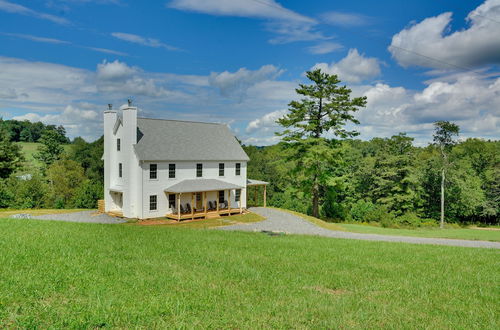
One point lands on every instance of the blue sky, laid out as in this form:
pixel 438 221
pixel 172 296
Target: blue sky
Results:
pixel 238 61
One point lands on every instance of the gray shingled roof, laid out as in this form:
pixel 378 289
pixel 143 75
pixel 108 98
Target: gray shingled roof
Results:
pixel 195 185
pixel 160 139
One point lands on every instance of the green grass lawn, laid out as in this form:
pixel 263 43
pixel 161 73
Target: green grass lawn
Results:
pixel 455 233
pixel 74 275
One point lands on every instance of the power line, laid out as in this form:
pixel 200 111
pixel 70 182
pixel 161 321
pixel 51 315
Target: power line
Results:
pixel 401 48
pixel 437 60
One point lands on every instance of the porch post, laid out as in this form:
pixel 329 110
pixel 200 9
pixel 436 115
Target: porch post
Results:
pixel 205 203
pixel 192 206
pixel 265 186
pixel 255 195
pixel 217 202
pixel 241 207
pixel 178 207
pixel 229 201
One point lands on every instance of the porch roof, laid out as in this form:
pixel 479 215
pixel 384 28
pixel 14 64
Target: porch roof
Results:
pixel 251 182
pixel 196 185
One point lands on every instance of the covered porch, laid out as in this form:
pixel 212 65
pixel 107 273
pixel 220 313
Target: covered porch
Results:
pixel 206 198
pixel 256 184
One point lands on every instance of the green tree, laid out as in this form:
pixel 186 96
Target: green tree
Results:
pixel 65 177
pixel 326 108
pixel 444 135
pixel 51 148
pixel 87 194
pixel 11 157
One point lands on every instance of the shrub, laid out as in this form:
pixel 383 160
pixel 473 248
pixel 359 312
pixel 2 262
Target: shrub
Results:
pixel 87 194
pixel 29 193
pixel 6 194
pixel 409 220
pixel 379 214
pixel 360 209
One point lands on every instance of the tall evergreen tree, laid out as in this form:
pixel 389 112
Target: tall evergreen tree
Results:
pixel 444 135
pixel 11 157
pixel 325 109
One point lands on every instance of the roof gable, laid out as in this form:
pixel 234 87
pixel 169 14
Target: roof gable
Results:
pixel 160 139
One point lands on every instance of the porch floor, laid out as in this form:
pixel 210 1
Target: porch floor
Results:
pixel 202 214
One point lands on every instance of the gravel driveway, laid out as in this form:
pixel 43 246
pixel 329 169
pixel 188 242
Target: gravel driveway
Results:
pixel 84 216
pixel 279 221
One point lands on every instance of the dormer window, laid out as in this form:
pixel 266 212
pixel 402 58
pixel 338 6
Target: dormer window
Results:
pixel 118 144
pixel 153 171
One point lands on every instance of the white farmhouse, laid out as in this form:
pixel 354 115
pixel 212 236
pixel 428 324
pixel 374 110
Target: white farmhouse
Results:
pixel 168 168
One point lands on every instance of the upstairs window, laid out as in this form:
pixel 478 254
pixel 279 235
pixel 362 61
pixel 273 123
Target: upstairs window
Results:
pixel 237 195
pixel 171 200
pixel 238 168
pixel 221 169
pixel 153 203
pixel 171 171
pixel 199 170
pixel 118 144
pixel 120 170
pixel 153 171
pixel 221 196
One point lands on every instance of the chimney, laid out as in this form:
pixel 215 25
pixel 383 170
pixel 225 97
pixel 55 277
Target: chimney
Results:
pixel 130 122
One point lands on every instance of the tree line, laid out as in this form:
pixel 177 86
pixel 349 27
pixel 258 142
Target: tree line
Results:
pixel 320 167
pixel 322 170
pixel 70 177
pixel 26 131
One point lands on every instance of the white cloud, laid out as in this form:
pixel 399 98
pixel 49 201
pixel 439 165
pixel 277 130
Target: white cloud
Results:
pixel 324 48
pixel 288 25
pixel 266 122
pixel 35 38
pixel 353 68
pixel 14 8
pixel 345 19
pixel 430 43
pixel 268 9
pixel 237 83
pixel 60 42
pixel 114 70
pixel 150 42
pixel 77 121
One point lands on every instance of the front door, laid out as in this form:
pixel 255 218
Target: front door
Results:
pixel 199 202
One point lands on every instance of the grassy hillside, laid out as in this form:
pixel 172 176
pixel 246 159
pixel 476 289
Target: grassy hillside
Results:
pixel 481 234
pixel 30 148
pixel 74 275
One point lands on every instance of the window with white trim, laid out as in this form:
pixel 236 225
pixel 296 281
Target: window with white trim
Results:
pixel 221 169
pixel 120 170
pixel 118 144
pixel 221 196
pixel 171 171
pixel 199 170
pixel 238 168
pixel 171 200
pixel 153 171
pixel 237 195
pixel 153 203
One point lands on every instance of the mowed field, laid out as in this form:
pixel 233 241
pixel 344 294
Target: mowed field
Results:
pixel 57 274
pixel 30 148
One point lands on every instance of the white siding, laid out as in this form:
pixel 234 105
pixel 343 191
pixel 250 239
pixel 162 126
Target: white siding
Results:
pixel 186 171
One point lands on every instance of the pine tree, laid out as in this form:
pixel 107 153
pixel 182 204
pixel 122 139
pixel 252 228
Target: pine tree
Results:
pixel 325 110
